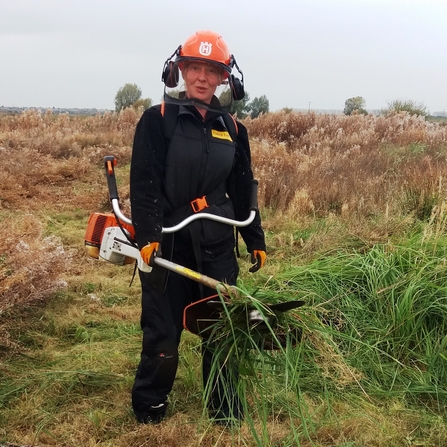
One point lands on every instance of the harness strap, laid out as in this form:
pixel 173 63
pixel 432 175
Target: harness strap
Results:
pixel 170 115
pixel 197 205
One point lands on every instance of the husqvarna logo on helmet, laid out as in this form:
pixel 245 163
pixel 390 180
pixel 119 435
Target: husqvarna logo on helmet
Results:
pixel 205 48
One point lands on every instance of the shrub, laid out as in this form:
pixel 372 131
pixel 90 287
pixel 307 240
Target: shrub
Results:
pixel 409 106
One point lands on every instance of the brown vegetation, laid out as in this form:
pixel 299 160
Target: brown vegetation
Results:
pixel 370 176
pixel 321 164
pixel 50 163
pixel 307 165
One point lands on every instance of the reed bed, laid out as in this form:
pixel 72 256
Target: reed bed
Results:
pixel 320 164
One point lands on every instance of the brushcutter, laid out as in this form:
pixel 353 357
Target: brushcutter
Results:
pixel 111 237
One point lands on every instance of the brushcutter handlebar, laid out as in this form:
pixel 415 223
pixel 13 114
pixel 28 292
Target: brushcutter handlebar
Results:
pixel 254 195
pixel 110 163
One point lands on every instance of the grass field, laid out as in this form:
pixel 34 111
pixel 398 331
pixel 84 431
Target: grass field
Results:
pixel 355 216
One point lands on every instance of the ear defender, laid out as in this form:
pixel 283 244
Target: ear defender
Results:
pixel 237 85
pixel 237 88
pixel 170 75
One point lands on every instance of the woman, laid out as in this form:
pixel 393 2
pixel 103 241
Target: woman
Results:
pixel 175 173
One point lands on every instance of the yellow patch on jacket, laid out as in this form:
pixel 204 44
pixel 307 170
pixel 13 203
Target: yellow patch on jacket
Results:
pixel 223 135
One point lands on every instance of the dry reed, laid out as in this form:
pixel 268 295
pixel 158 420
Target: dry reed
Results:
pixel 322 164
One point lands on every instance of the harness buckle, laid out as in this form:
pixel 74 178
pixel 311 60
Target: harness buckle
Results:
pixel 199 204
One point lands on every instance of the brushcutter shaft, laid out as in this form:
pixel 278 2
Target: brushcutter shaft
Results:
pixel 192 274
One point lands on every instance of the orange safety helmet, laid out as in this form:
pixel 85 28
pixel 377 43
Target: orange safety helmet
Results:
pixel 207 46
pixel 204 46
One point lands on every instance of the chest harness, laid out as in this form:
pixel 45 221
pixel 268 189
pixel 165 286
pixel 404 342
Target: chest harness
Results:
pixel 170 117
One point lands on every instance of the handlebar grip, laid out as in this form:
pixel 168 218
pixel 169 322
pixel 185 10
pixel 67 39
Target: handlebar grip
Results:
pixel 254 195
pixel 109 164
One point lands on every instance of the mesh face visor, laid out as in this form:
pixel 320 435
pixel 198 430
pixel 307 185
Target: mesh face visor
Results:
pixel 176 87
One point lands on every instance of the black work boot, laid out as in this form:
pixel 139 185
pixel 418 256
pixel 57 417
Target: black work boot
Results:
pixel 155 414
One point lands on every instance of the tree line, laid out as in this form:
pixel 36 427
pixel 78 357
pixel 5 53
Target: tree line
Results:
pixel 130 95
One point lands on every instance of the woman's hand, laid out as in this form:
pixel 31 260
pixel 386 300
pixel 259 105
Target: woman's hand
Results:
pixel 258 258
pixel 148 252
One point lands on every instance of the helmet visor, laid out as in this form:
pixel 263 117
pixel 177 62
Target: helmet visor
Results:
pixel 204 84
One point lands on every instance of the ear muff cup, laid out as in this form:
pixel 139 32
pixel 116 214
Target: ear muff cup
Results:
pixel 237 88
pixel 170 74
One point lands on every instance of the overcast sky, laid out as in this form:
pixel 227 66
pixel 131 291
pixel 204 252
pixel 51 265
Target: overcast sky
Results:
pixel 299 53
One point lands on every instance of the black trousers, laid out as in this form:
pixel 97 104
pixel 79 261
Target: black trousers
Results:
pixel 162 325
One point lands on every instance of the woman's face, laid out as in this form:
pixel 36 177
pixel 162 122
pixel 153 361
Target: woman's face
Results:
pixel 201 80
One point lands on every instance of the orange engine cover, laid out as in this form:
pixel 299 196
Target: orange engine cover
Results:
pixel 96 225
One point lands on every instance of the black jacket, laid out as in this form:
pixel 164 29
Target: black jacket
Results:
pixel 166 175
